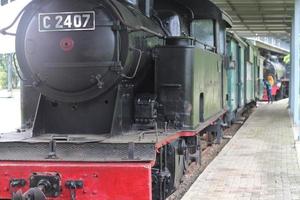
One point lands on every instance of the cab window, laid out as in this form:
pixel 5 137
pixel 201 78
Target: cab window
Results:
pixel 170 21
pixel 222 40
pixel 133 2
pixel 203 31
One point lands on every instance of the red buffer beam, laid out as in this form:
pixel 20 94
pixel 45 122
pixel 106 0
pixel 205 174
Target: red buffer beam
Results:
pixel 100 181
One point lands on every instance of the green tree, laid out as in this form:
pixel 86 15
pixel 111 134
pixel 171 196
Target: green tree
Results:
pixel 3 71
pixel 287 59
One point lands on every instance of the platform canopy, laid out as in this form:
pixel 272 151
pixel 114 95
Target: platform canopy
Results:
pixel 260 17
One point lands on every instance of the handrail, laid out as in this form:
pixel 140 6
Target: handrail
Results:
pixel 206 45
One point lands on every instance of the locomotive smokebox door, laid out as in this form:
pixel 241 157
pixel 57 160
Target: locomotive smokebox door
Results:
pixel 69 52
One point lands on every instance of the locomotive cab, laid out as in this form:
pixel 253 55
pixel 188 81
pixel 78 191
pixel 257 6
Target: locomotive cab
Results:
pixel 199 48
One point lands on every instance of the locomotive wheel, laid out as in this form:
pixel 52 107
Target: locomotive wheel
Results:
pixel 195 155
pixel 182 161
pixel 186 160
pixel 179 171
pixel 210 139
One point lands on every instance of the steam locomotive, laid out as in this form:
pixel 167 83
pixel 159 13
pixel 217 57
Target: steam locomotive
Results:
pixel 116 95
pixel 276 74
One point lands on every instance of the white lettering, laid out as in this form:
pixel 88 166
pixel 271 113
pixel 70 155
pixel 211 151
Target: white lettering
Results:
pixel 59 19
pixel 68 22
pixel 77 21
pixel 87 18
pixel 46 19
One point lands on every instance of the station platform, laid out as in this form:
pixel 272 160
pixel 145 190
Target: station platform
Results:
pixel 259 163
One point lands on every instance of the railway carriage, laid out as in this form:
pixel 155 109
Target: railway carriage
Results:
pixel 236 74
pixel 244 78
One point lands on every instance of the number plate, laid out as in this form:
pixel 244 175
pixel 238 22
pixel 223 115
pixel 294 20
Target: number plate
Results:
pixel 67 21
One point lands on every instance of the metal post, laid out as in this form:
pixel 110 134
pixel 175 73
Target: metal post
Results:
pixel 297 59
pixel 291 90
pixel 9 72
pixel 295 88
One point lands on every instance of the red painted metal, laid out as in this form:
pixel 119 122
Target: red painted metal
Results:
pixel 67 44
pixel 102 181
pixel 174 137
pixel 191 133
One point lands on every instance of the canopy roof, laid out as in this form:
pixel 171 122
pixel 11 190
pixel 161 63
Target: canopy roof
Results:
pixel 260 17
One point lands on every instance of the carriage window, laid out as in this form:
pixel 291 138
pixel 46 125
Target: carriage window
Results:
pixel 203 30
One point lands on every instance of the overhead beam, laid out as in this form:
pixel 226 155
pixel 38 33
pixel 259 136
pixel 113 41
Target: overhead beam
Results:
pixel 253 17
pixel 234 9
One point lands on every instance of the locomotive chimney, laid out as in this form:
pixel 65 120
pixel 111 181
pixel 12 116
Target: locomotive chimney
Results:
pixel 146 7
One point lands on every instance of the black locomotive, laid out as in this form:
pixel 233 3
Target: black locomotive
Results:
pixel 115 81
pixel 79 73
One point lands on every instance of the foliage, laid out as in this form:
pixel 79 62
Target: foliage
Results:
pixel 3 80
pixel 3 73
pixel 287 59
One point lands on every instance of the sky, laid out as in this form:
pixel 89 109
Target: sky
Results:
pixel 7 14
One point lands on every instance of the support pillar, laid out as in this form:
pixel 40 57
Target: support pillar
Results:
pixel 295 56
pixel 9 72
pixel 291 88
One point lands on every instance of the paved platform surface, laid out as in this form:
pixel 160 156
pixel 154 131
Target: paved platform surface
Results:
pixel 260 162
